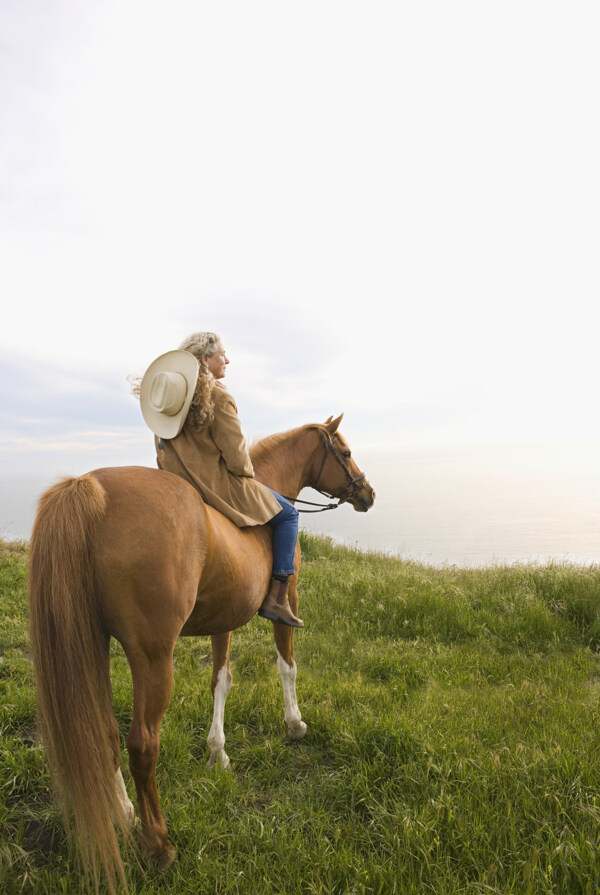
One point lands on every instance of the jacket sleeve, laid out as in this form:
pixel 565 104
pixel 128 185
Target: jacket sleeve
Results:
pixel 228 436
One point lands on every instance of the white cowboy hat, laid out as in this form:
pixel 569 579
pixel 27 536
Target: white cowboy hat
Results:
pixel 167 390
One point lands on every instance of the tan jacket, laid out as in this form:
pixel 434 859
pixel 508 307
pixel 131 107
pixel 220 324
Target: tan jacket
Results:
pixel 215 460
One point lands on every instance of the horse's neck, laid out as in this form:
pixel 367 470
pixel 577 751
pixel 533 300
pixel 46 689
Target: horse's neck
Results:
pixel 283 462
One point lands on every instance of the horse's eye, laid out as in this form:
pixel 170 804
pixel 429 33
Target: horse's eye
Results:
pixel 346 455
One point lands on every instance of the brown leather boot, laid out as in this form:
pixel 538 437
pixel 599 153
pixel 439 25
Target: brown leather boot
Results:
pixel 279 611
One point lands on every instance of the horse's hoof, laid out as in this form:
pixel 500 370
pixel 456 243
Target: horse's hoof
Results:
pixel 297 731
pixel 129 820
pixel 164 858
pixel 219 759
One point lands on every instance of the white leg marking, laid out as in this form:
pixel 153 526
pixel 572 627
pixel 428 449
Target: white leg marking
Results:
pixel 124 800
pixel 295 725
pixel 216 737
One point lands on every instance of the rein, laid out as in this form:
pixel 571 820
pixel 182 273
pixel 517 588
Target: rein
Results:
pixel 352 488
pixel 323 506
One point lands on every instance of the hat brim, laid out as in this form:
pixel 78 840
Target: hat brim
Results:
pixel 182 362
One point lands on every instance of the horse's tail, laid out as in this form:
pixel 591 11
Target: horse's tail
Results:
pixel 70 652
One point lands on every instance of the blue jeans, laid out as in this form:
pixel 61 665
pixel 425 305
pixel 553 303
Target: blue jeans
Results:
pixel 285 535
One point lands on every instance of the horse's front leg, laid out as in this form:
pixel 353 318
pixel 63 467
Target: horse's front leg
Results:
pixel 220 685
pixel 284 641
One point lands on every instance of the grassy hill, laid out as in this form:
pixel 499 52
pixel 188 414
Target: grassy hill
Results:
pixel 453 742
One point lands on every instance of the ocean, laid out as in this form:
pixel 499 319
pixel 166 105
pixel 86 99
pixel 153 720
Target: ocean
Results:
pixel 466 507
pixel 477 506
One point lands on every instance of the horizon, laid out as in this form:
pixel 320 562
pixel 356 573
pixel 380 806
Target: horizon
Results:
pixel 464 506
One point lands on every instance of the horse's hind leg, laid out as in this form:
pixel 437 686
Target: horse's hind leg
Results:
pixel 152 675
pixel 220 686
pixel 284 641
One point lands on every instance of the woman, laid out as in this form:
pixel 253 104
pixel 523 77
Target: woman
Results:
pixel 199 437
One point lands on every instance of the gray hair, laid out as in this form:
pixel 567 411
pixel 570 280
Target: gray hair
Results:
pixel 202 345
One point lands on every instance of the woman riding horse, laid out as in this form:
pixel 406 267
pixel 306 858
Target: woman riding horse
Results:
pixel 137 555
pixel 198 436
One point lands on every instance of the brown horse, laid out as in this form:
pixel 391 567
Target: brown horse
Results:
pixel 134 553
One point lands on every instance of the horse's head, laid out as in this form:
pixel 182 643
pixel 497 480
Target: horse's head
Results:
pixel 336 474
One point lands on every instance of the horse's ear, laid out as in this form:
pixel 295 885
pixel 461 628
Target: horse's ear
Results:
pixel 327 421
pixel 332 425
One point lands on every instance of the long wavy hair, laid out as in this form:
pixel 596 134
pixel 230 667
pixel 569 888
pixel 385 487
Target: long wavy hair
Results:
pixel 202 408
pixel 202 345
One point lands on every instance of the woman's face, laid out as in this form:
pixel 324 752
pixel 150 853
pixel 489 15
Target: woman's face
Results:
pixel 217 364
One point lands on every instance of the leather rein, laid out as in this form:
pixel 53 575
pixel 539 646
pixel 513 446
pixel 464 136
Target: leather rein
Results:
pixel 355 483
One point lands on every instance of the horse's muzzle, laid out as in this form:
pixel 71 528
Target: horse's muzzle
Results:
pixel 364 499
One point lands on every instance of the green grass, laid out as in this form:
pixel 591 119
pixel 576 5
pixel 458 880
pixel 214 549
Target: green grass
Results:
pixel 453 742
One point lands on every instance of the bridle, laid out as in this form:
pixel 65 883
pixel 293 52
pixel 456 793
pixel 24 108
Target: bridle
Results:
pixel 355 482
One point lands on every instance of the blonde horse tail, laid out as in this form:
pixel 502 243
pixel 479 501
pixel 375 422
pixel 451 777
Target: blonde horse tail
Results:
pixel 69 649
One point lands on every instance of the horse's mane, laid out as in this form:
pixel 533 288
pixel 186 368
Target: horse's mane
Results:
pixel 264 447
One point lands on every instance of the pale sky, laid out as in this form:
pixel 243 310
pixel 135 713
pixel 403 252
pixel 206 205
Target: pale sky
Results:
pixel 388 209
